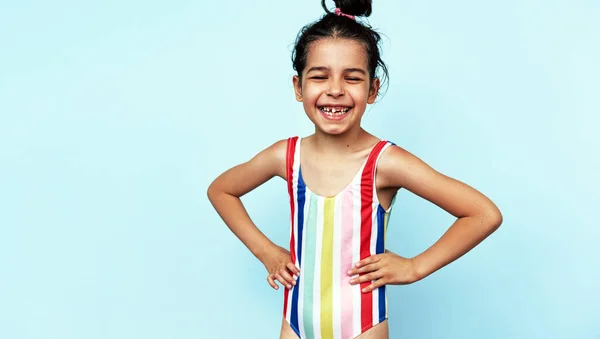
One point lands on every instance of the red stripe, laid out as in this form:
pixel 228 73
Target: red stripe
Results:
pixel 366 213
pixel 289 166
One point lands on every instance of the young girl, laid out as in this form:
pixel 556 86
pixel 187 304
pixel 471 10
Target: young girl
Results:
pixel 342 182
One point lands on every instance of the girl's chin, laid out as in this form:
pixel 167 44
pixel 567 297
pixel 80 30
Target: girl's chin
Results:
pixel 333 129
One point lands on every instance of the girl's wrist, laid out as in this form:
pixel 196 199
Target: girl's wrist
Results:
pixel 262 250
pixel 419 270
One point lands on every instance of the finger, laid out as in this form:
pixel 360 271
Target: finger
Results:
pixel 282 281
pixel 272 282
pixel 365 269
pixel 369 260
pixel 286 275
pixel 367 277
pixel 293 268
pixel 375 284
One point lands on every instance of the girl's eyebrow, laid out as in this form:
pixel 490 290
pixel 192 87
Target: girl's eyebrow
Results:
pixel 347 70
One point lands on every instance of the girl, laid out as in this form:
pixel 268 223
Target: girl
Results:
pixel 342 182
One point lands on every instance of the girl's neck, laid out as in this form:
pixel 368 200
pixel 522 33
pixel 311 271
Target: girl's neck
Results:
pixel 348 142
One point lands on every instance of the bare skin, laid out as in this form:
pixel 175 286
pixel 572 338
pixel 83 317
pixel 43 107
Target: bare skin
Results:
pixel 335 75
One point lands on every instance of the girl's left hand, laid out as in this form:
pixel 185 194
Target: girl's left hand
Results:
pixel 383 269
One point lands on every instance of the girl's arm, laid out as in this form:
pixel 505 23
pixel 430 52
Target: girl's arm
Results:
pixel 225 192
pixel 477 215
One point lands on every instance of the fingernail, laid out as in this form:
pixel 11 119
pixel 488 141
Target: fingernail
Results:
pixel 289 286
pixel 349 273
pixel 294 282
pixel 295 277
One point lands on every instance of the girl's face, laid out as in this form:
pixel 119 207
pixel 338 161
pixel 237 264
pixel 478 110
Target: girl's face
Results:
pixel 336 86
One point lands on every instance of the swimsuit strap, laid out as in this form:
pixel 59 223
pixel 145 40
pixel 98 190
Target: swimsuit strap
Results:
pixel 367 181
pixel 291 166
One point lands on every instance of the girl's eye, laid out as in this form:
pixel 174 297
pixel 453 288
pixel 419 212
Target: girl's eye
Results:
pixel 324 77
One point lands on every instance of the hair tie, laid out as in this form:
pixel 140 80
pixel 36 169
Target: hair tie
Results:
pixel 339 12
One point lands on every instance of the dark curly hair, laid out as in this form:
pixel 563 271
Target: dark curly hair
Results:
pixel 334 26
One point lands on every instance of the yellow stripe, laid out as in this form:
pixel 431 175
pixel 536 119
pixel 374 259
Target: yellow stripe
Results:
pixel 386 217
pixel 327 271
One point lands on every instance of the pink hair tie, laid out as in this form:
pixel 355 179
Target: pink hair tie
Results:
pixel 339 12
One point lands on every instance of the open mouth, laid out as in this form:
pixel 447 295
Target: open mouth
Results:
pixel 334 112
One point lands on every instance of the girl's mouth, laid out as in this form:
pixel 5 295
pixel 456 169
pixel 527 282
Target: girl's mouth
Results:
pixel 334 113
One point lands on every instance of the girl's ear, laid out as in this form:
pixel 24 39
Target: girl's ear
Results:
pixel 373 91
pixel 297 87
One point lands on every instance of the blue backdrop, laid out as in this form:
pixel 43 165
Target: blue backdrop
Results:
pixel 115 116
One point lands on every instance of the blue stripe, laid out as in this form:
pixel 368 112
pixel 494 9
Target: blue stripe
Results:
pixel 379 248
pixel 301 200
pixel 380 229
pixel 301 192
pixel 382 314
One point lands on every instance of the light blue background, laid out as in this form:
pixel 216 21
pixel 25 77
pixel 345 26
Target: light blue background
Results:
pixel 116 116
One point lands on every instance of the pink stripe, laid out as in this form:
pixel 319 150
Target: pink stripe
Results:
pixel 346 263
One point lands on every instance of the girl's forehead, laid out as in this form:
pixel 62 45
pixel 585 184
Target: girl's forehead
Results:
pixel 336 54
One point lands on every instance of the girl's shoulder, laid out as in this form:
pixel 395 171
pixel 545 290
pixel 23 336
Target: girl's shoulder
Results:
pixel 396 164
pixel 270 160
pixel 276 154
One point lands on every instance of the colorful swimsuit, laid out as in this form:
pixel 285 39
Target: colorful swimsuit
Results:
pixel 328 236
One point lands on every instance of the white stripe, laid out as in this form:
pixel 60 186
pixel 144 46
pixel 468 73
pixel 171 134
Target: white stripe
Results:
pixel 356 294
pixel 337 249
pixel 288 315
pixel 386 303
pixel 317 282
pixel 296 177
pixel 373 249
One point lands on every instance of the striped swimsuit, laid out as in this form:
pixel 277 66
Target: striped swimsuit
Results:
pixel 328 236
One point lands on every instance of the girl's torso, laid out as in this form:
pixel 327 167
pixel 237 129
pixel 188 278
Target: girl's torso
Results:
pixel 328 235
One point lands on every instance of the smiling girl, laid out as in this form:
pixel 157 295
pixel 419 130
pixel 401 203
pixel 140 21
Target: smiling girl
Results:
pixel 342 182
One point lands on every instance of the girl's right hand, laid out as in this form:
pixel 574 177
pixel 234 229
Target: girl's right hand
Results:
pixel 278 262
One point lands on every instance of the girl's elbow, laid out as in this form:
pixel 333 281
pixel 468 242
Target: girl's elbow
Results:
pixel 494 219
pixel 497 221
pixel 489 218
pixel 218 189
pixel 493 216
pixel 212 191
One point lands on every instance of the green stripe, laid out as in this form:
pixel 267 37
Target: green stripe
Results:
pixel 310 241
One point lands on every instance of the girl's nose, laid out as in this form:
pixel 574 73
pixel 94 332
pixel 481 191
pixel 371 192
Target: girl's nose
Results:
pixel 336 88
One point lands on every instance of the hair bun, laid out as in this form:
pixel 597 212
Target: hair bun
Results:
pixel 352 7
